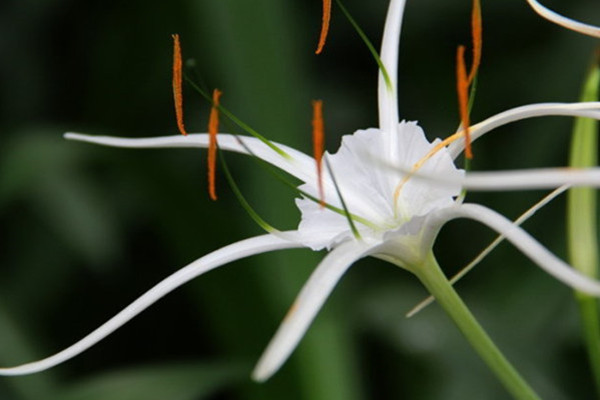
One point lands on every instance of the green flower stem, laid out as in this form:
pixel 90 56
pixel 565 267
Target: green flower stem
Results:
pixel 436 282
pixel 581 222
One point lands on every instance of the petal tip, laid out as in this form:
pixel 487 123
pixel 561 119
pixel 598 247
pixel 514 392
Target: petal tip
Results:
pixel 261 372
pixel 74 136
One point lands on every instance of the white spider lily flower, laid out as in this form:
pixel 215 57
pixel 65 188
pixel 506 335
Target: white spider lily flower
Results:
pixel 396 213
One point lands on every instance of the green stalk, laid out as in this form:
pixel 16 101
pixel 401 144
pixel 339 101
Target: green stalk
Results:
pixel 582 232
pixel 438 285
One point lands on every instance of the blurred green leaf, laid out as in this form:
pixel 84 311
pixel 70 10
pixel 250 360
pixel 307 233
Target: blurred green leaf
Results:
pixel 49 173
pixel 582 219
pixel 16 347
pixel 165 381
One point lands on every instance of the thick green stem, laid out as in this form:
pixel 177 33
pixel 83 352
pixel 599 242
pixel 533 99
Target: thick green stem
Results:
pixel 436 282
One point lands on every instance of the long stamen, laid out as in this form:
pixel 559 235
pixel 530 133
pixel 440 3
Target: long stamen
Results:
pixel 462 86
pixel 476 32
pixel 177 84
pixel 318 144
pixel 463 82
pixel 213 129
pixel 324 25
pixel 416 166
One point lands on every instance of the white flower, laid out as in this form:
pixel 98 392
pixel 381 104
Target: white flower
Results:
pixel 397 216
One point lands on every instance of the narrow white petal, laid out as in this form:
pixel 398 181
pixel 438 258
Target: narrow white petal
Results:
pixel 568 23
pixel 530 179
pixel 485 252
pixel 586 109
pixel 526 243
pixel 307 305
pixel 520 179
pixel 232 252
pixel 388 100
pixel 298 164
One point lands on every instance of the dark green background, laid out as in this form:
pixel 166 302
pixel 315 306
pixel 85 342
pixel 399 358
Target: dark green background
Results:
pixel 84 230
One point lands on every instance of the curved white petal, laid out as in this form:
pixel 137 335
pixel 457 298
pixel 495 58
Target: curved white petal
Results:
pixel 526 243
pixel 568 23
pixel 530 179
pixel 307 305
pixel 586 109
pixel 320 228
pixel 232 252
pixel 519 179
pixel 531 211
pixel 488 181
pixel 485 252
pixel 297 164
pixel 388 100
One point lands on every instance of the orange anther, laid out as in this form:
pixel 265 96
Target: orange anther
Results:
pixel 324 25
pixel 177 81
pixel 213 129
pixel 462 86
pixel 319 144
pixel 476 32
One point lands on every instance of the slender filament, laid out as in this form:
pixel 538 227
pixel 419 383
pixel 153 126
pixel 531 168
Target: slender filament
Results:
pixel 416 166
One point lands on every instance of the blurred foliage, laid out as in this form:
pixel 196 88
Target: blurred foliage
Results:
pixel 87 229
